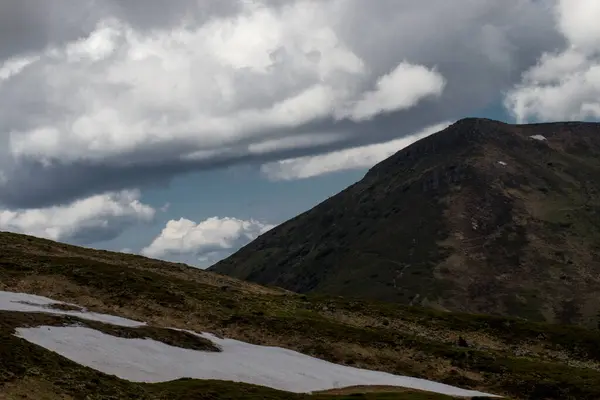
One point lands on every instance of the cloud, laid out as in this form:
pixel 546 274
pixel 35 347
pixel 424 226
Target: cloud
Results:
pixel 90 220
pixel 144 92
pixel 15 66
pixel 206 240
pixel 402 88
pixel 125 98
pixel 565 84
pixel 353 158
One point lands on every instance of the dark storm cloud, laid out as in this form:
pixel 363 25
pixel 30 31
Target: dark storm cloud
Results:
pixel 31 25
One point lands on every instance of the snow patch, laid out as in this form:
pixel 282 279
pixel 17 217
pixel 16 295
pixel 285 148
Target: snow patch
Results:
pixel 24 302
pixel 538 137
pixel 146 360
pixel 502 163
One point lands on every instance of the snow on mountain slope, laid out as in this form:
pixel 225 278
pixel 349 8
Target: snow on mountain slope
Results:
pixel 146 360
pixel 24 302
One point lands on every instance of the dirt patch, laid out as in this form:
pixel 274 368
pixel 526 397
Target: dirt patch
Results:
pixel 54 306
pixel 65 307
pixel 172 337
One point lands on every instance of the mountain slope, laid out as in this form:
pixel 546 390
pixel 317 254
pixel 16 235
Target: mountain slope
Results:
pixel 520 359
pixel 136 352
pixel 480 217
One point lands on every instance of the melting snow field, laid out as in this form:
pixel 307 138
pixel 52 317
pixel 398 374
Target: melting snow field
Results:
pixel 31 303
pixel 146 360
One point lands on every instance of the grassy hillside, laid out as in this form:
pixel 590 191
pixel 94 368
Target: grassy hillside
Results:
pixel 481 217
pixel 28 371
pixel 524 360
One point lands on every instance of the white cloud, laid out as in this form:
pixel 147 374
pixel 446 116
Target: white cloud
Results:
pixel 203 87
pixel 353 158
pixel 564 85
pixel 402 88
pixel 14 66
pixel 205 240
pixel 84 221
pixel 578 20
pixel 294 142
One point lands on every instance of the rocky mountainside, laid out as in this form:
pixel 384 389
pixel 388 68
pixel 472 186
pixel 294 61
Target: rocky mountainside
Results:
pixel 482 217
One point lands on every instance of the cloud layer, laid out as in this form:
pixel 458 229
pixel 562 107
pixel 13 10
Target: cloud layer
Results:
pixel 353 158
pixel 205 241
pixel 136 93
pixel 90 220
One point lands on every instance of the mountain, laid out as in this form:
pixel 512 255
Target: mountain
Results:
pixel 482 217
pixel 111 323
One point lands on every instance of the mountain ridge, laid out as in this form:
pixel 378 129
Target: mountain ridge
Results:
pixel 483 216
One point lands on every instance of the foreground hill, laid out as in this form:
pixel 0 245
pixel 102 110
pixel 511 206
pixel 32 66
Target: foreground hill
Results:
pixel 503 356
pixel 481 217
pixel 139 353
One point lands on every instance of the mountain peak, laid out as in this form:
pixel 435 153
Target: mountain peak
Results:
pixel 482 216
pixel 459 136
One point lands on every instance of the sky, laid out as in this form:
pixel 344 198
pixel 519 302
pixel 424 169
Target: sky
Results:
pixel 182 130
